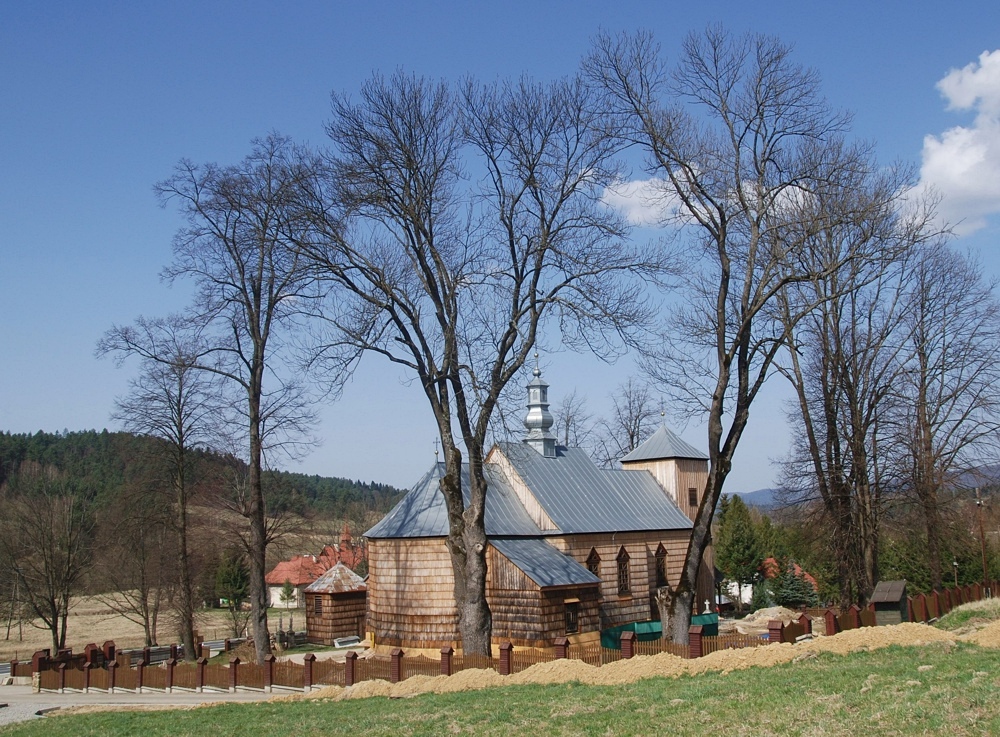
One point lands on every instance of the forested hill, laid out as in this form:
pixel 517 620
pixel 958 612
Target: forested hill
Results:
pixel 98 465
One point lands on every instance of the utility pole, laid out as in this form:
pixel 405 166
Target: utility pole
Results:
pixel 982 537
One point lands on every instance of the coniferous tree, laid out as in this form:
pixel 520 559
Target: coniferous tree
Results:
pixel 738 552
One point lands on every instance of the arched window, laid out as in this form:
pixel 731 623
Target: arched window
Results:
pixel 661 566
pixel 594 562
pixel 624 577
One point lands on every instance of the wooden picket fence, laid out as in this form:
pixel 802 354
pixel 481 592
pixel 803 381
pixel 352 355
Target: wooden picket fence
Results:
pixel 104 670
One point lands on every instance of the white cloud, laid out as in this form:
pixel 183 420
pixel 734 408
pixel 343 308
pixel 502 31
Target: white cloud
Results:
pixel 963 164
pixel 644 202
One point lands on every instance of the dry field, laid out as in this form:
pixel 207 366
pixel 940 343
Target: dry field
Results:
pixel 93 621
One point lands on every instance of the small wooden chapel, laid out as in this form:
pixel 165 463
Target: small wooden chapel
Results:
pixel 573 548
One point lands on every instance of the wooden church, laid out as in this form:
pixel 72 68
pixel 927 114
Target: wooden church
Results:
pixel 574 548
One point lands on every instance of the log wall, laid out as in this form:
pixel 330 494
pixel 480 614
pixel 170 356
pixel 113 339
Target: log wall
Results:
pixel 615 608
pixel 529 617
pixel 343 615
pixel 411 593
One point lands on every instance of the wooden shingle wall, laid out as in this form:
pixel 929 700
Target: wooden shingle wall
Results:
pixel 342 615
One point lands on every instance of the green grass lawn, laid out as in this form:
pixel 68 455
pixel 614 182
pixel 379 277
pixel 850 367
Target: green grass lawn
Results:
pixel 986 610
pixel 930 690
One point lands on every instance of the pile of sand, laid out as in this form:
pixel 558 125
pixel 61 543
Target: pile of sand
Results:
pixel 663 665
pixel 988 636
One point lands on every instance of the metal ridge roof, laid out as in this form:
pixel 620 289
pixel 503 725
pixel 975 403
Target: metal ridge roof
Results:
pixel 422 512
pixel 663 444
pixel 543 564
pixel 579 497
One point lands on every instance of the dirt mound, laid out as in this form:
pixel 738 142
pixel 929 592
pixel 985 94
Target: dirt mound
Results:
pixel 663 665
pixel 988 636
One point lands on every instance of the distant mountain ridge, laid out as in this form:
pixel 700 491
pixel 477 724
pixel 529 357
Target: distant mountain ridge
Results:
pixel 761 498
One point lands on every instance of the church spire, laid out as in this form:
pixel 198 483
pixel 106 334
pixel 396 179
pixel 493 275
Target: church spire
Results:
pixel 539 419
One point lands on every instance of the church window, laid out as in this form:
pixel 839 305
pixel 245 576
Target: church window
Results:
pixel 318 605
pixel 693 497
pixel 572 618
pixel 661 566
pixel 594 562
pixel 624 576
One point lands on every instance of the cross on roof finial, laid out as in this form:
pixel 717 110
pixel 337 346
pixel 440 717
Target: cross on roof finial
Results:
pixel 435 450
pixel 537 371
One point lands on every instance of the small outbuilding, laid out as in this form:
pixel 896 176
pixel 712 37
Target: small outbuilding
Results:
pixel 336 603
pixel 891 605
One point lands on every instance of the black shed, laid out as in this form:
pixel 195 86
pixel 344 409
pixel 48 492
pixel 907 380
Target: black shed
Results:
pixel 891 606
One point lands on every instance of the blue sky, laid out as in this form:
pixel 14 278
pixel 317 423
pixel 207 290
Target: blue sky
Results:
pixel 99 100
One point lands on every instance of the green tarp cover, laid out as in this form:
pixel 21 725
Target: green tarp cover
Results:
pixel 649 631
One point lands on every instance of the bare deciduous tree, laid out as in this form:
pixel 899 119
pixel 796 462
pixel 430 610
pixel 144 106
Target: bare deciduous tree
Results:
pixel 574 424
pixel 950 409
pixel 747 153
pixel 132 557
pixel 242 222
pixel 455 279
pixel 175 400
pixel 843 362
pixel 45 540
pixel 633 418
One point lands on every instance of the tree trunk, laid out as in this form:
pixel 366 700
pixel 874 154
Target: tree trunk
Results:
pixel 185 607
pixel 467 545
pixel 258 539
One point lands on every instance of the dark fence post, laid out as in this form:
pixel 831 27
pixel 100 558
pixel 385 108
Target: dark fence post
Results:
pixel 13 668
pixel 396 666
pixel 112 672
pixel 446 655
pixel 832 625
pixel 807 623
pixel 775 631
pixel 307 674
pixel 269 673
pixel 173 652
pixel 86 676
pixel 695 647
pixel 627 644
pixel 140 671
pixel 854 616
pixel 90 653
pixel 349 668
pixel 234 677
pixel 171 664
pixel 110 651
pixel 39 661
pixel 562 647
pixel 62 677
pixel 145 656
pixel 226 646
pixel 505 650
pixel 200 683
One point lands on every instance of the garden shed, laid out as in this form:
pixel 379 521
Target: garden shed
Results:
pixel 889 599
pixel 335 606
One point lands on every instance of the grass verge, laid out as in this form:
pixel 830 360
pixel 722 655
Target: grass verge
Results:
pixel 934 689
pixel 980 612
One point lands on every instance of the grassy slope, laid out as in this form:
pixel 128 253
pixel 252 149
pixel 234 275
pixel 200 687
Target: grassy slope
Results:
pixel 935 689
